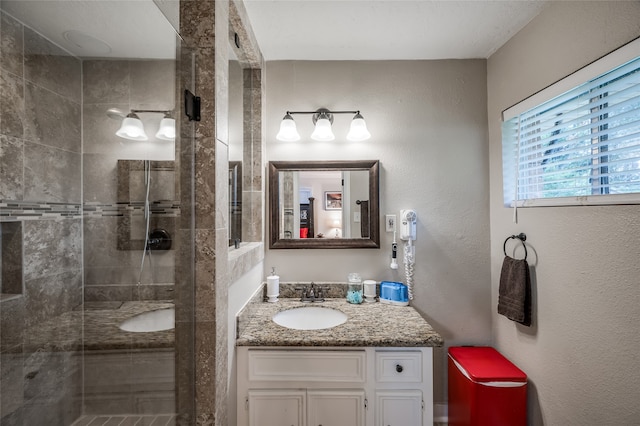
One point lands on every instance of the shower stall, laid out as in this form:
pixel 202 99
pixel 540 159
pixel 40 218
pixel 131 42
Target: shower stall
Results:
pixel 95 231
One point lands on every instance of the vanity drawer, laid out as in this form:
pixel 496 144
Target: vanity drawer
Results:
pixel 403 367
pixel 307 366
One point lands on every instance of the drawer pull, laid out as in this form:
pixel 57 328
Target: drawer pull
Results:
pixel 399 368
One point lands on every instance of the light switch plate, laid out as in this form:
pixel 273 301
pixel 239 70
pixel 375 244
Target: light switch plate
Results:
pixel 390 221
pixel 356 217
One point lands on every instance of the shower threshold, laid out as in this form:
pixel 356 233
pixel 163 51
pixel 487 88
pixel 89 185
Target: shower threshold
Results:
pixel 126 420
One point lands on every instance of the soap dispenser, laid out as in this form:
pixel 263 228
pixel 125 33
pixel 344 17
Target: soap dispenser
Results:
pixel 273 286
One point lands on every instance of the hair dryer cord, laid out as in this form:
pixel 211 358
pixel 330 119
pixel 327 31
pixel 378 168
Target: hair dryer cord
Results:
pixel 409 262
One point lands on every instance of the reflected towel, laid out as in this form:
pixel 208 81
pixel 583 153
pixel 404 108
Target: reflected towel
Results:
pixel 514 296
pixel 364 219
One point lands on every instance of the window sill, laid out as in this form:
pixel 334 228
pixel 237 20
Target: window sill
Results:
pixel 242 259
pixel 589 200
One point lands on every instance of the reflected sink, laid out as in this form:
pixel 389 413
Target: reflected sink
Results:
pixel 310 318
pixel 158 320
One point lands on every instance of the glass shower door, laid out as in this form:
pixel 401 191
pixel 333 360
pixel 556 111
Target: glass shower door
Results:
pixel 93 224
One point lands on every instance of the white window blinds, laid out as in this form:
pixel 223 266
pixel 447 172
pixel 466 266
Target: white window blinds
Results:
pixel 579 147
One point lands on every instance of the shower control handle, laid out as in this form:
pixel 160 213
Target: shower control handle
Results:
pixel 159 239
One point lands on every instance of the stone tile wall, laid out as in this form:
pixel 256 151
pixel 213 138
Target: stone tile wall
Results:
pixel 11 259
pixel 202 400
pixel 40 193
pixel 253 159
pixel 205 27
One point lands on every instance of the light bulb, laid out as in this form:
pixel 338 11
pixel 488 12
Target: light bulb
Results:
pixel 322 131
pixel 288 131
pixel 358 129
pixel 132 128
pixel 167 130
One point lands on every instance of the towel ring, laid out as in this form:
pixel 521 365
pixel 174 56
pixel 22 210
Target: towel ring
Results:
pixel 522 237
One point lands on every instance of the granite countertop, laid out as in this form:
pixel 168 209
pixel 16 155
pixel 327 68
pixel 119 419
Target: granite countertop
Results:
pixel 98 323
pixel 102 331
pixel 369 324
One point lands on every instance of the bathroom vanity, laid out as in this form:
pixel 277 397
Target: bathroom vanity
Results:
pixel 375 369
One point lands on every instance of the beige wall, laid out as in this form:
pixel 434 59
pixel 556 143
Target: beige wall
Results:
pixel 581 354
pixel 428 121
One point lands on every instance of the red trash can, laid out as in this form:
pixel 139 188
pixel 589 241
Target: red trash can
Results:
pixel 485 388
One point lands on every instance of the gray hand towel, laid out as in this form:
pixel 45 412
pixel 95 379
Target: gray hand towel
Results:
pixel 514 296
pixel 364 219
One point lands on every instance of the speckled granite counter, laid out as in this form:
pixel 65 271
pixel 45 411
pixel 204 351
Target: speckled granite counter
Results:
pixel 369 324
pixel 101 329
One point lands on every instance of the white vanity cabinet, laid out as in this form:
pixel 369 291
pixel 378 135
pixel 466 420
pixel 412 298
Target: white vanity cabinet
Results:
pixel 400 396
pixel 311 386
pixel 327 407
pixel 276 407
pixel 336 407
pixel 399 408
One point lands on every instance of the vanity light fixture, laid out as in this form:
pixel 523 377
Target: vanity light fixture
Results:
pixel 323 119
pixel 167 130
pixel 288 131
pixel 133 129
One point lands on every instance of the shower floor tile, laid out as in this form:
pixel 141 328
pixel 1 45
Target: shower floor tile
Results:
pixel 126 420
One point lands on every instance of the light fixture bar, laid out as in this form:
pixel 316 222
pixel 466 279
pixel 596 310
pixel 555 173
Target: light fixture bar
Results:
pixel 133 129
pixel 166 112
pixel 321 110
pixel 323 119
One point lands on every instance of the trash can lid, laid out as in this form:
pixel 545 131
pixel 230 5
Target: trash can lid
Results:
pixel 485 364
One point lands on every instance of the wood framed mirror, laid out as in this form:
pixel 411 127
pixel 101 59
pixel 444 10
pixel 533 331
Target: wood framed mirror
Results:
pixel 324 204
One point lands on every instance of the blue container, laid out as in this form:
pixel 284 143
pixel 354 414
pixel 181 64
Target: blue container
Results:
pixel 394 293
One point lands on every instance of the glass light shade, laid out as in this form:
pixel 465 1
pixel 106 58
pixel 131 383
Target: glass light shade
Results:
pixel 358 129
pixel 133 129
pixel 288 131
pixel 323 132
pixel 167 130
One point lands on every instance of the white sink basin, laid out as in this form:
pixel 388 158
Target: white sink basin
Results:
pixel 159 320
pixel 310 318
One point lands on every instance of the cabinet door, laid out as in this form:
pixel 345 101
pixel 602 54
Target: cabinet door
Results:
pixel 398 408
pixel 276 407
pixel 335 407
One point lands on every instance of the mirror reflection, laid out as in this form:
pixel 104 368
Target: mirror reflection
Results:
pixel 324 204
pixel 236 123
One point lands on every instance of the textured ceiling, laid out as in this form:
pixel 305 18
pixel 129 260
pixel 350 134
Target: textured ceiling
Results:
pixel 386 29
pixel 290 29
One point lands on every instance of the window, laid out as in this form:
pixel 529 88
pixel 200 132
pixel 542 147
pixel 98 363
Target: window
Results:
pixel 581 145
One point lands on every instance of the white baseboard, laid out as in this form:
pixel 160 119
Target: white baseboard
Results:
pixel 440 412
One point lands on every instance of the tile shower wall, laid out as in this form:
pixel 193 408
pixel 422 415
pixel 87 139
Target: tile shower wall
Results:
pixel 40 181
pixel 112 267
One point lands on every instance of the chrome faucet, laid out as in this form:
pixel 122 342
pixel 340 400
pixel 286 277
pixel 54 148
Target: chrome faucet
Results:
pixel 312 293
